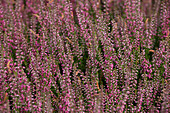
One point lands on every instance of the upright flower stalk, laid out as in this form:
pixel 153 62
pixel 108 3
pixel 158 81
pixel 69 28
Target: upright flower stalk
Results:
pixel 84 56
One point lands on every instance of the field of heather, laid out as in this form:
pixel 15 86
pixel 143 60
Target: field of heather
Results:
pixel 84 56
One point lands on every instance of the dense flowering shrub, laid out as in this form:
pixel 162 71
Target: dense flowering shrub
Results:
pixel 84 56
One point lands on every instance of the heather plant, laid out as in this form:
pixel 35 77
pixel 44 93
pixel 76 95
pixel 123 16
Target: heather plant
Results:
pixel 84 56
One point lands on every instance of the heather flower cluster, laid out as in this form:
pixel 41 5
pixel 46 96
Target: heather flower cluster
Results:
pixel 76 56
